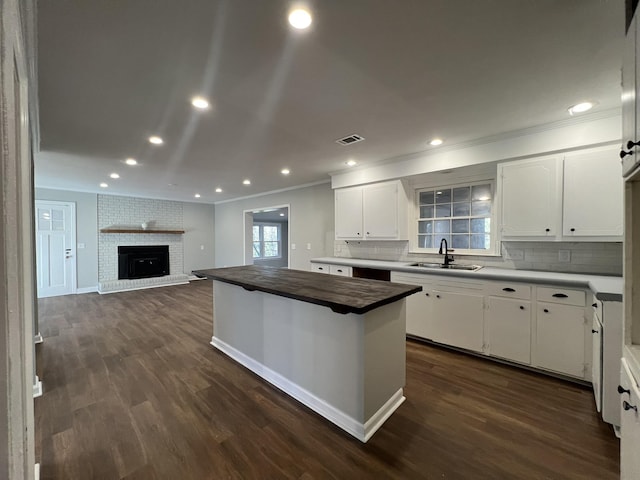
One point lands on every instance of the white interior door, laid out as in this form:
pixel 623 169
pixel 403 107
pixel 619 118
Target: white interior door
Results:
pixel 55 248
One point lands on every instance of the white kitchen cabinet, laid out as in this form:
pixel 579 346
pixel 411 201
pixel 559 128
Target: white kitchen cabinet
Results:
pixel 609 314
pixel 372 212
pixel 593 194
pixel 419 306
pixel 348 212
pixel 574 197
pixel 596 360
pixel 341 270
pixel 458 319
pixel 629 403
pixel 560 338
pixel 508 328
pixel 320 267
pixel 530 197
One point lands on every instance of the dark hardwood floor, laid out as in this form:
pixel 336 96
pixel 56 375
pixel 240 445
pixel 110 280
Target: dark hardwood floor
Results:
pixel 133 390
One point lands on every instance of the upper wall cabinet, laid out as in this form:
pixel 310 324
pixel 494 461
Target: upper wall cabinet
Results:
pixel 592 197
pixel 572 198
pixel 372 212
pixel 530 197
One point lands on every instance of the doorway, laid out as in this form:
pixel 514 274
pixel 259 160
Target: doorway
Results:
pixel 267 236
pixel 55 248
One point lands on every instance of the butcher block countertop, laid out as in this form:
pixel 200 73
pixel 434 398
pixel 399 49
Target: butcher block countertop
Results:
pixel 340 294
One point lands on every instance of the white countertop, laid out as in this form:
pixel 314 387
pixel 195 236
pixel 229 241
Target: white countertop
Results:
pixel 607 288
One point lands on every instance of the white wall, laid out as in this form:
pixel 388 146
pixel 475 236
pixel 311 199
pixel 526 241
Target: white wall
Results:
pixel 198 223
pixel 311 220
pixel 86 231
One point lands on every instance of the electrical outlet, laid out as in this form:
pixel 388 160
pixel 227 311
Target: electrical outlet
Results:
pixel 564 256
pixel 308 246
pixel 293 246
pixel 201 247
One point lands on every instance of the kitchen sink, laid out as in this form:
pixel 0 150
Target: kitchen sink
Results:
pixel 451 266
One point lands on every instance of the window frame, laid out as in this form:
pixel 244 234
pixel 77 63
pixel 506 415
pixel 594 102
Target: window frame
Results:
pixel 494 236
pixel 261 226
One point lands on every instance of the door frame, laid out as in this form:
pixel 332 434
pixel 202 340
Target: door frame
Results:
pixel 247 232
pixel 74 253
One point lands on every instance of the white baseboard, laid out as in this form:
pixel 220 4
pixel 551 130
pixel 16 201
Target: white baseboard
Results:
pixel 38 338
pixel 37 388
pixel 87 289
pixel 362 432
pixel 116 286
pixel 36 471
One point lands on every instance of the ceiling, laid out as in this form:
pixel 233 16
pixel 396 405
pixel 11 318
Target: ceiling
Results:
pixel 399 73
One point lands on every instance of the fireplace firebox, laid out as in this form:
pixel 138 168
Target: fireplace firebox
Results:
pixel 143 261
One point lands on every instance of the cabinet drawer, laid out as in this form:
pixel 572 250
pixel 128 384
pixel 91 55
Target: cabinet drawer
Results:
pixel 562 295
pixel 511 290
pixel 320 267
pixel 340 270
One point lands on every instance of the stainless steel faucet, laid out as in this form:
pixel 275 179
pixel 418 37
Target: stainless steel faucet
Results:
pixel 447 258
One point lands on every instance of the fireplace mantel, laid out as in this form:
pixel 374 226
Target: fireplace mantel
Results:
pixel 139 230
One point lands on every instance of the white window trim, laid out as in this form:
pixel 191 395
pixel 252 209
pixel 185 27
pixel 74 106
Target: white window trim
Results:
pixel 455 183
pixel 268 224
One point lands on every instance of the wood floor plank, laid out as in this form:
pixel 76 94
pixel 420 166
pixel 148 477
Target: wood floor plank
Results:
pixel 134 391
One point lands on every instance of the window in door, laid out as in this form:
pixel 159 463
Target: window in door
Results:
pixel 266 240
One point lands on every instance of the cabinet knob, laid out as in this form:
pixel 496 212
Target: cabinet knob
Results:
pixel 547 229
pixel 624 153
pixel 368 233
pixel 627 406
pixel 622 390
pixel 521 307
pixel 594 305
pixel 546 310
pixel 437 296
pixel 631 144
pixel 508 289
pixel 339 270
pixel 427 294
pixel 572 229
pixel 594 331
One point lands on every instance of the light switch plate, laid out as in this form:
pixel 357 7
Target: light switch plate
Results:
pixel 80 245
pixel 293 246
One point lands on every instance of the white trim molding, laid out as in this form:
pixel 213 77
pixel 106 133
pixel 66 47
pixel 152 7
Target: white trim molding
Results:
pixel 82 290
pixel 37 387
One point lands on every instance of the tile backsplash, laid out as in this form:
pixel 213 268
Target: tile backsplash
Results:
pixel 601 258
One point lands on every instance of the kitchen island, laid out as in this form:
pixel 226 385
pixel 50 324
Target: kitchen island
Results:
pixel 335 344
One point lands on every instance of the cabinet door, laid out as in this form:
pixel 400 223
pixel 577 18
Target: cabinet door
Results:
pixel 593 198
pixel 596 361
pixel 530 202
pixel 458 320
pixel 348 210
pixel 420 313
pixel 340 270
pixel 560 332
pixel 380 211
pixel 629 426
pixel 508 326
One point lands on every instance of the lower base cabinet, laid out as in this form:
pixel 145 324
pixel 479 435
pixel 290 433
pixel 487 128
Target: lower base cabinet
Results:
pixel 457 319
pixel 420 312
pixel 629 424
pixel 508 329
pixel 560 339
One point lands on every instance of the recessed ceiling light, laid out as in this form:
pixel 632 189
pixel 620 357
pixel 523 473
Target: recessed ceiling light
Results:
pixel 580 107
pixel 282 214
pixel 351 163
pixel 246 181
pixel 218 190
pixel 200 103
pixel 285 171
pixel 156 140
pixel 300 18
pixel 131 161
pixel 114 175
pixel 435 142
pixel 104 185
pixel 197 195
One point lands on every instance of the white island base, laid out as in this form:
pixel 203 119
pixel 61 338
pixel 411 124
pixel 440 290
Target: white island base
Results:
pixel 349 368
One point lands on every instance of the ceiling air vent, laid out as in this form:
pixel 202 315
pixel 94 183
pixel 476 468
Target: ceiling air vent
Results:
pixel 351 139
